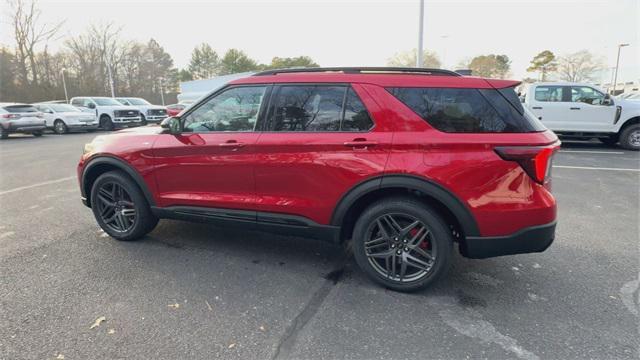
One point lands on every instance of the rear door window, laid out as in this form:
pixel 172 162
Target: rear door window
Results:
pixel 549 93
pixel 317 108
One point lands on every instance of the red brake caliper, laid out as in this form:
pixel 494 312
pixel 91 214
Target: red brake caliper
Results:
pixel 424 244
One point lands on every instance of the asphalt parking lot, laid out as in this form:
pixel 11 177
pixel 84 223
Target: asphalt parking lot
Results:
pixel 194 291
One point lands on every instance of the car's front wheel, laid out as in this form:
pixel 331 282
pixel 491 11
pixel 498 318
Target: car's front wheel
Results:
pixel 630 137
pixel 106 123
pixel 60 127
pixel 120 207
pixel 402 244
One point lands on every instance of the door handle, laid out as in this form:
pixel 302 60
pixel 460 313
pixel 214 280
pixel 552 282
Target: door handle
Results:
pixel 574 108
pixel 360 143
pixel 231 144
pixel 537 108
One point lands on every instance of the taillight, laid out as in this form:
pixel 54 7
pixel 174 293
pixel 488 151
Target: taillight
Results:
pixel 11 116
pixel 535 160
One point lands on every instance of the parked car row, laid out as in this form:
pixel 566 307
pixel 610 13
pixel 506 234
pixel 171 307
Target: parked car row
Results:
pixel 83 113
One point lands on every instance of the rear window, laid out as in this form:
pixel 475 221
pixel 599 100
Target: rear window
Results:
pixel 469 110
pixel 20 109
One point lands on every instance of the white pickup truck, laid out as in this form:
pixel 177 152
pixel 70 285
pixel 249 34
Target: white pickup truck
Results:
pixel 582 111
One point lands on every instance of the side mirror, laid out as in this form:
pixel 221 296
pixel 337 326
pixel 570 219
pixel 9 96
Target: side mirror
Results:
pixel 172 125
pixel 92 106
pixel 608 101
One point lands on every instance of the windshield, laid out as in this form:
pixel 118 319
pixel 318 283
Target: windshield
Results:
pixel 136 101
pixel 106 102
pixel 64 108
pixel 123 101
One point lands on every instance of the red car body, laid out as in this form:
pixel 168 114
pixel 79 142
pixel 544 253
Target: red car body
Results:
pixel 483 184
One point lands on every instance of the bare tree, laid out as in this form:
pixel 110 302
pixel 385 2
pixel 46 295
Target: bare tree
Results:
pixel 579 67
pixel 29 34
pixel 408 59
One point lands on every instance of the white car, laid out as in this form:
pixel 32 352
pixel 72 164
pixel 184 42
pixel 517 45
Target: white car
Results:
pixel 110 113
pixel 148 111
pixel 20 118
pixel 63 118
pixel 574 110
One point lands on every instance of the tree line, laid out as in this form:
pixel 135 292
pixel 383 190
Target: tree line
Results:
pixel 30 71
pixel 581 66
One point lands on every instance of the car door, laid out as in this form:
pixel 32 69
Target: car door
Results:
pixel 211 163
pixel 319 140
pixel 48 114
pixel 550 104
pixel 589 111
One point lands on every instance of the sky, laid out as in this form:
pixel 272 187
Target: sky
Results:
pixel 366 33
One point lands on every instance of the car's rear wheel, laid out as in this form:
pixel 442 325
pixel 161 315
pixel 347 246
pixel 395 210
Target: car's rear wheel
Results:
pixel 402 244
pixel 106 123
pixel 120 207
pixel 60 127
pixel 630 137
pixel 4 134
pixel 37 133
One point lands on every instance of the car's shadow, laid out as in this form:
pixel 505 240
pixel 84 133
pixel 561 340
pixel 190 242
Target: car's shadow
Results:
pixel 333 262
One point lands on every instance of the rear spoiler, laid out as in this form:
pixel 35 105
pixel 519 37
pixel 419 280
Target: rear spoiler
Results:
pixel 502 84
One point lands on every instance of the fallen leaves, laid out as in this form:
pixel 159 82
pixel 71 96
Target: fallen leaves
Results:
pixel 232 345
pixel 208 305
pixel 111 331
pixel 60 357
pixel 174 306
pixel 262 328
pixel 98 322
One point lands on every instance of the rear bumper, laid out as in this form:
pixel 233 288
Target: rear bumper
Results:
pixel 529 240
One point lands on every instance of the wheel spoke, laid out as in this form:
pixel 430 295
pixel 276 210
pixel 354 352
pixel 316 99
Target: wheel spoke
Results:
pixel 392 223
pixel 382 255
pixel 405 230
pixel 424 254
pixel 129 212
pixel 419 237
pixel 417 263
pixel 372 244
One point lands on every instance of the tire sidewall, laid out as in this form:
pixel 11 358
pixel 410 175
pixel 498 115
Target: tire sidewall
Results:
pixel 139 203
pixel 441 236
pixel 625 138
pixel 106 123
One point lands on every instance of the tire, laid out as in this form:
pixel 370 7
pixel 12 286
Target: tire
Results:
pixel 143 120
pixel 4 134
pixel 59 127
pixel 630 137
pixel 438 243
pixel 129 217
pixel 106 123
pixel 37 133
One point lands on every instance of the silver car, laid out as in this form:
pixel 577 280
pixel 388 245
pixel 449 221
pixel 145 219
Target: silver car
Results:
pixel 20 118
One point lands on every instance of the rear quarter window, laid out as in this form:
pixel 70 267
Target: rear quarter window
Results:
pixel 468 110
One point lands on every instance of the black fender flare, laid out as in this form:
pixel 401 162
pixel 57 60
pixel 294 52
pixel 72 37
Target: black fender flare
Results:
pixel 120 165
pixel 428 187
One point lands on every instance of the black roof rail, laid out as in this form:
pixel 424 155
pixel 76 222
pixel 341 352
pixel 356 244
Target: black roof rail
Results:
pixel 360 70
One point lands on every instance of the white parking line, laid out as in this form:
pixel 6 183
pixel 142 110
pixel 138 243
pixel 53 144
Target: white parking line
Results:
pixel 36 185
pixel 594 168
pixel 592 152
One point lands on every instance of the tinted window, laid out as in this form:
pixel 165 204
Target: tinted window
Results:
pixel 356 117
pixel 235 109
pixel 106 102
pixel 587 95
pixel 466 110
pixel 549 93
pixel 20 109
pixel 77 102
pixel 307 108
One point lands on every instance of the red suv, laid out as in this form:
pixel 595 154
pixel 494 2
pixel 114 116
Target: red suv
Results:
pixel 402 162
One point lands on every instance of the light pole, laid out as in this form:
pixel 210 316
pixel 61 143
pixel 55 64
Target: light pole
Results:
pixel 161 92
pixel 444 53
pixel 113 93
pixel 615 77
pixel 64 85
pixel 420 34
